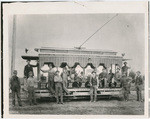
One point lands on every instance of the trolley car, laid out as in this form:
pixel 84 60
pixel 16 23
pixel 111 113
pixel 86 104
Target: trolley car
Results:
pixel 84 59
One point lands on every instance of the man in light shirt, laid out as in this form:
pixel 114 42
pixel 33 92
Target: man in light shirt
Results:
pixel 138 86
pixel 50 72
pixel 58 88
pixel 30 87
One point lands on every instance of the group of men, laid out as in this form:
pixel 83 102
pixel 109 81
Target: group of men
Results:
pixel 124 79
pixel 54 80
pixel 15 85
pixel 112 79
pixel 126 84
pixel 57 83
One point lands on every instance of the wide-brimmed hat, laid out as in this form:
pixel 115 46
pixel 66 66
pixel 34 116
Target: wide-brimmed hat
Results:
pixel 125 62
pixel 50 63
pixel 138 72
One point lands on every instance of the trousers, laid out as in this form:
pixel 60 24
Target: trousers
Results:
pixel 16 92
pixel 103 83
pixel 126 92
pixel 31 95
pixel 59 92
pixel 93 92
pixel 139 92
pixel 65 82
pixel 51 86
pixel 65 87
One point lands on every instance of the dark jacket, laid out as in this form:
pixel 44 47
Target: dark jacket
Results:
pixel 103 75
pixel 14 83
pixel 138 80
pixel 125 82
pixel 93 81
pixel 29 68
pixel 110 76
pixel 125 69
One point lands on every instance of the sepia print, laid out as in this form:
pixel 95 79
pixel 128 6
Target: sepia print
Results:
pixel 77 64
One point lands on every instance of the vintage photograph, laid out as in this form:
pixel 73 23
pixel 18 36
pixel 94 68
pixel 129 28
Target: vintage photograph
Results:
pixel 77 64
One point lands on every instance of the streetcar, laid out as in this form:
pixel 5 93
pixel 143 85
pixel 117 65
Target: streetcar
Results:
pixel 83 61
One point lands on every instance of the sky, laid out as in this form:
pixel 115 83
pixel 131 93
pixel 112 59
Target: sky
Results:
pixel 124 34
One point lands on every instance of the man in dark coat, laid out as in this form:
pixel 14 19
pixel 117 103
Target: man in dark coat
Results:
pixel 125 86
pixel 15 87
pixel 138 85
pixel 29 68
pixel 125 69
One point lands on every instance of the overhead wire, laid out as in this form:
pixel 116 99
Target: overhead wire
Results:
pixel 97 31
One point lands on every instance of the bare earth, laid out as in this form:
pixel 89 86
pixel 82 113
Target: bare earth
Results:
pixel 103 106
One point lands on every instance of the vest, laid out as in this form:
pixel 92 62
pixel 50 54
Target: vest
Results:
pixel 94 81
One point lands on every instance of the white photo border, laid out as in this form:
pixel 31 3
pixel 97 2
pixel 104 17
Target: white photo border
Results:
pixel 69 8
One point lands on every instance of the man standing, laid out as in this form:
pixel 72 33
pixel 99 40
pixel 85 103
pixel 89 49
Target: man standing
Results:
pixel 125 69
pixel 125 86
pixel 138 85
pixel 30 87
pixel 15 87
pixel 93 86
pixel 29 68
pixel 50 77
pixel 58 87
pixel 64 76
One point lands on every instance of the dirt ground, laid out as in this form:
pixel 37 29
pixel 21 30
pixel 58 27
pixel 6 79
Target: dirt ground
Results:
pixel 103 106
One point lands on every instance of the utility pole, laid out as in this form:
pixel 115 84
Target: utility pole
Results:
pixel 13 52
